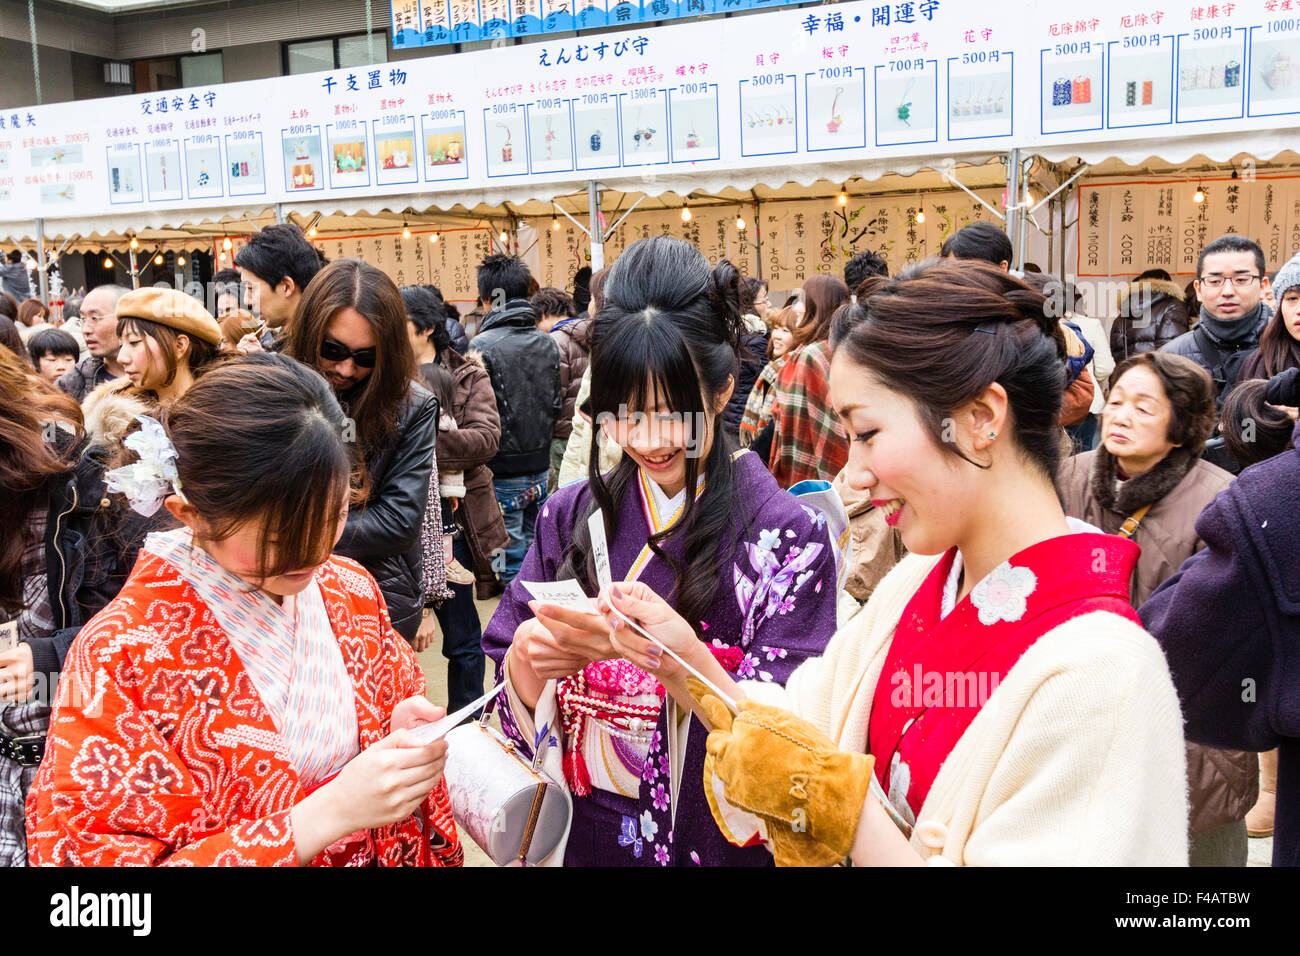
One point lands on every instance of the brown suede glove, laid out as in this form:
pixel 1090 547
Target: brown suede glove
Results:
pixel 784 770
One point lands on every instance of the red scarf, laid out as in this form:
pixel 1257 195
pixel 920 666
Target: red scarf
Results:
pixel 940 671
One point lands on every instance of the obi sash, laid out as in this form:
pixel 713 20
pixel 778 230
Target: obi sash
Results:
pixel 940 672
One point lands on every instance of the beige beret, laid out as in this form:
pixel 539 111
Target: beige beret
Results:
pixel 172 308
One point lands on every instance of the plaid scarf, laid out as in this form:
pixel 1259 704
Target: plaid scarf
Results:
pixel 808 441
pixel 758 409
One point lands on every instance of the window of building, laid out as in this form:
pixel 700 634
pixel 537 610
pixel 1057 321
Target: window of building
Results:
pixel 172 72
pixel 332 53
pixel 202 69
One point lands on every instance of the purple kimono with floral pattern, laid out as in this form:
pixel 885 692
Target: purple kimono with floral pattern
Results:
pixel 775 603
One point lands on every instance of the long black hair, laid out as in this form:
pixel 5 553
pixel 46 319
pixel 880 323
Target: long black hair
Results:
pixel 668 333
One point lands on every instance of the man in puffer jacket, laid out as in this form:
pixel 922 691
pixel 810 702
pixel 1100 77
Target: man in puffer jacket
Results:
pixel 523 364
pixel 1151 313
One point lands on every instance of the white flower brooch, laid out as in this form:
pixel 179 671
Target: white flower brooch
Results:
pixel 1001 595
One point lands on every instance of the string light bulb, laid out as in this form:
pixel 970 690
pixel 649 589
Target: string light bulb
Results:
pixel 1198 197
pixel 406 231
pixel 135 243
pixel 312 232
pixel 158 259
pixel 920 212
pixel 843 197
pixel 433 238
pixel 505 236
pixel 227 244
pixel 180 261
pixel 108 262
pixel 686 213
pixel 555 223
pixel 740 223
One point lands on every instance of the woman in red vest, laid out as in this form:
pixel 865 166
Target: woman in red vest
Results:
pixel 996 701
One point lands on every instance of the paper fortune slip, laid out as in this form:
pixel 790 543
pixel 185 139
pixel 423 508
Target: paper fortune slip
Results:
pixel 566 594
pixel 428 733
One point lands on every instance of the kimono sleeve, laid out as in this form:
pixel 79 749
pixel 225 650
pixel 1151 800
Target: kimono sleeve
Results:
pixel 785 584
pixel 112 791
pixel 1093 771
pixel 540 564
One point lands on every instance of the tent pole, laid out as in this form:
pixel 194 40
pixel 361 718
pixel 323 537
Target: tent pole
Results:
pixel 279 213
pixel 597 239
pixel 135 268
pixel 40 262
pixel 1013 202
pixel 758 239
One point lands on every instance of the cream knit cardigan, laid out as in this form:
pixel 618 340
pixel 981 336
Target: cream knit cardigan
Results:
pixel 1076 759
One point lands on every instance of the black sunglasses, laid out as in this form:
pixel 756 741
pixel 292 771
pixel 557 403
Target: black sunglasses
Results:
pixel 333 351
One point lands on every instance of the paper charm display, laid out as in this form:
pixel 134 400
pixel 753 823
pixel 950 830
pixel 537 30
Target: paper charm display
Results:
pixel 507 150
pixel 836 121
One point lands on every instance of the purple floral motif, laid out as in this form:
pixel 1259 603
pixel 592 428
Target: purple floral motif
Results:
pixel 648 826
pixel 769 540
pixel 661 855
pixel 772 590
pixel 649 773
pixel 665 766
pixel 695 858
pixel 660 796
pixel 774 653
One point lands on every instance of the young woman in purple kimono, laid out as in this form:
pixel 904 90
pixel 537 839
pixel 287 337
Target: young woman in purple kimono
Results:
pixel 743 560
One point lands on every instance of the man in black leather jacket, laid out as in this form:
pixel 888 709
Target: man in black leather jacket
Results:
pixel 524 365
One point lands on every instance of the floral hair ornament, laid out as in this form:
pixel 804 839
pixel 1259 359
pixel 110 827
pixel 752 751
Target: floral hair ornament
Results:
pixel 148 481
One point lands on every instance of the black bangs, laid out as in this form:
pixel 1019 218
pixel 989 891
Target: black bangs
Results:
pixel 640 362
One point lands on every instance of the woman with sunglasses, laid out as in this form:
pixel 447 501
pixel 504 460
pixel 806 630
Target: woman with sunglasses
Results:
pixel 351 327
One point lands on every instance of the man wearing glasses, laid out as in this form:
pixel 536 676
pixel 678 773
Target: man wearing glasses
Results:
pixel 1230 283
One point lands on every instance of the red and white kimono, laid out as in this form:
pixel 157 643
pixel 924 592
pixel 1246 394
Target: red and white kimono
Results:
pixel 176 741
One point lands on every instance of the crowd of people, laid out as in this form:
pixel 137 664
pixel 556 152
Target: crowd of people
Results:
pixel 947 570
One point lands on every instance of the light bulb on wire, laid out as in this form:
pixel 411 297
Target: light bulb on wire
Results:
pixel 406 231
pixel 686 214
pixel 740 223
pixel 843 197
pixel 433 238
pixel 555 223
pixel 158 259
pixel 1198 197
pixel 227 244
pixel 505 236
pixel 312 232
pixel 920 215
pixel 108 262
pixel 180 261
pixel 135 243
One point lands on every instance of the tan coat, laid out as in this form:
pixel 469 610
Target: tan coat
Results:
pixel 1223 783
pixel 876 546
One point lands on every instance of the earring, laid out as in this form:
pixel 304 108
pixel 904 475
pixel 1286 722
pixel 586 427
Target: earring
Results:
pixel 993 434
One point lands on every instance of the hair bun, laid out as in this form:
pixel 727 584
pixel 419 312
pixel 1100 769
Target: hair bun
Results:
pixel 725 293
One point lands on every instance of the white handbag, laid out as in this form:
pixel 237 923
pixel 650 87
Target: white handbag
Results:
pixel 512 810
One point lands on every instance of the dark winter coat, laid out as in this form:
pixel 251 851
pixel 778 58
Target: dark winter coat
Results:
pixel 88 375
pixel 1229 624
pixel 1151 313
pixel 383 533
pixel 753 356
pixel 523 364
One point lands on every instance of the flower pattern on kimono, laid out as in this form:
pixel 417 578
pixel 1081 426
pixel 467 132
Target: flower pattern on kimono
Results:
pixel 648 826
pixel 769 540
pixel 661 855
pixel 773 653
pixel 660 796
pixel 665 765
pixel 1001 595
pixel 771 591
pixel 649 773
pixel 817 517
pixel 628 836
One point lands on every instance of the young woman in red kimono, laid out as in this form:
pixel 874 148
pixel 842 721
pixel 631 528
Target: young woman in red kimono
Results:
pixel 997 699
pixel 244 699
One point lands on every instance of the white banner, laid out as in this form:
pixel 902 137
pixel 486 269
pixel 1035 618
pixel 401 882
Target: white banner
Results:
pixel 848 82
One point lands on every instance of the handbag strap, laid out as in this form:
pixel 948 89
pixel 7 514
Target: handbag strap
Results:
pixel 1130 525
